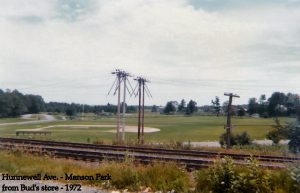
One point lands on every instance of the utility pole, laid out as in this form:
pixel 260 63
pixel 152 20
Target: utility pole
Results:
pixel 143 112
pixel 121 77
pixel 139 117
pixel 124 75
pixel 117 84
pixel 142 89
pixel 82 112
pixel 228 125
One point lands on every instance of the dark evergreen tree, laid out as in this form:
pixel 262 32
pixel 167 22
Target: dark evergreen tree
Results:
pixel 191 107
pixel 182 106
pixel 170 108
pixel 253 106
pixel 216 104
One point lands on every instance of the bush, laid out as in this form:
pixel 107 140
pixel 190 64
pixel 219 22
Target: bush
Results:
pixel 222 176
pixel 243 139
pixel 124 175
pixel 165 177
pixel 295 175
pixel 252 180
pixel 279 131
pixel 223 139
pixel 239 139
pixel 225 177
pixel 294 136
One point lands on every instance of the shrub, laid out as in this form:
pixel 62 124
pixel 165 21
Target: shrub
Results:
pixel 294 136
pixel 279 131
pixel 223 139
pixel 225 177
pixel 125 175
pixel 295 175
pixel 252 180
pixel 243 139
pixel 222 176
pixel 239 139
pixel 165 177
pixel 202 182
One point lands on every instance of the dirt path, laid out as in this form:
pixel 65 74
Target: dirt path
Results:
pixel 128 129
pixel 45 119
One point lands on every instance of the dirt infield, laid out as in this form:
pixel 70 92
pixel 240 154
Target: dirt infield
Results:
pixel 134 129
pixel 128 129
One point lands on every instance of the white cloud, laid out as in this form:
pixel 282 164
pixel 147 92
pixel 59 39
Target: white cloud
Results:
pixel 186 52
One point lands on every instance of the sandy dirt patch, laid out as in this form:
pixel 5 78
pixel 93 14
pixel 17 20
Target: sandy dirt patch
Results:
pixel 134 129
pixel 129 129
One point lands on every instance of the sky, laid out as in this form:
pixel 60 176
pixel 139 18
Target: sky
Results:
pixel 65 50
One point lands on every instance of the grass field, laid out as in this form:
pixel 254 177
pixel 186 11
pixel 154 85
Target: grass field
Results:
pixel 173 128
pixel 19 119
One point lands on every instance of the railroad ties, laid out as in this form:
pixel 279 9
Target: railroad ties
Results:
pixel 191 159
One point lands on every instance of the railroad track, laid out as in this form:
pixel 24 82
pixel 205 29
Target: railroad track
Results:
pixel 189 158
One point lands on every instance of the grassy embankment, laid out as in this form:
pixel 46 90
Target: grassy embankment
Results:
pixel 159 177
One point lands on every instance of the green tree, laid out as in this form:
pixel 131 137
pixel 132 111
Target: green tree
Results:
pixel 70 112
pixel 5 104
pixel 275 101
pixel 279 131
pixel 170 108
pixel 241 112
pixel 216 104
pixel 182 106
pixel 154 108
pixel 35 103
pixel 262 107
pixel 17 102
pixel 252 106
pixel 131 109
pixel 191 107
pixel 294 137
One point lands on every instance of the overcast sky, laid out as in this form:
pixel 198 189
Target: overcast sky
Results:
pixel 65 50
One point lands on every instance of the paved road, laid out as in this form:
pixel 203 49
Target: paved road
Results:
pixel 45 119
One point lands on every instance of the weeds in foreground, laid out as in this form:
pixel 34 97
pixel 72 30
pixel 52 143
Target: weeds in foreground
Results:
pixel 224 176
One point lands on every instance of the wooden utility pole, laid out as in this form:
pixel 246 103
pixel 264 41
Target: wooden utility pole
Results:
pixel 228 125
pixel 139 118
pixel 143 112
pixel 124 108
pixel 142 89
pixel 121 76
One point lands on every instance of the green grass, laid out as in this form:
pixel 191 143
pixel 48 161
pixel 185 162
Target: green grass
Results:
pixel 173 128
pixel 13 120
pixel 124 175
pixel 157 176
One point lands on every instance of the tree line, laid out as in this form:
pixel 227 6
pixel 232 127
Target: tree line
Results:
pixel 13 104
pixel 173 106
pixel 279 104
